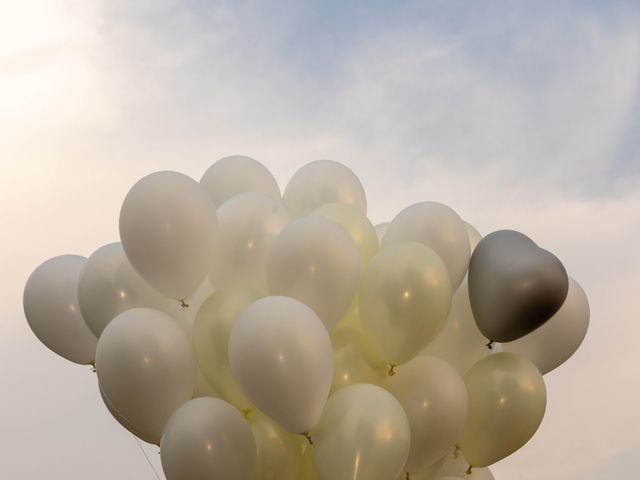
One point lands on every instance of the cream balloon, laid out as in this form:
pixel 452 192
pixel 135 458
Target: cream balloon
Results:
pixel 119 418
pixel 553 343
pixel 507 400
pixel 363 435
pixel 405 296
pixel 249 222
pixel 145 368
pixel 354 360
pixel 435 400
pixel 211 332
pixel 207 439
pixel 459 342
pixel 308 470
pixel 321 182
pixel 315 261
pixel 357 225
pixel 279 452
pixel 381 229
pixel 168 229
pixel 438 227
pixel 109 285
pixel 50 302
pixel 281 357
pixel 474 236
pixel 237 174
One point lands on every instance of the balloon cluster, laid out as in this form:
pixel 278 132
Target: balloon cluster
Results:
pixel 257 336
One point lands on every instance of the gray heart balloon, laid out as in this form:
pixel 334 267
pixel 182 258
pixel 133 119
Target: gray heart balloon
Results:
pixel 514 285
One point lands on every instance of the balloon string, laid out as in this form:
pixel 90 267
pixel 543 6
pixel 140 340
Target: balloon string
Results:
pixel 309 438
pixel 490 345
pixel 147 457
pixel 392 370
pixel 469 470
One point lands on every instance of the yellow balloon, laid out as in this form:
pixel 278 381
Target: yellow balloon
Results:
pixel 507 400
pixel 211 331
pixel 405 296
pixel 308 470
pixel 357 225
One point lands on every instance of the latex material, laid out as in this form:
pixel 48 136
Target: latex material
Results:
pixel 474 236
pixel 109 285
pixel 281 357
pixel 404 300
pixel 145 368
pixel 357 225
pixel 50 303
pixel 237 174
pixel 211 332
pixel 514 285
pixel 249 222
pixel 354 361
pixel 168 229
pixel 119 418
pixel 552 344
pixel 363 435
pixel 507 400
pixel 434 397
pixel 207 439
pixel 438 227
pixel 315 261
pixel 321 182
pixel 381 229
pixel 203 387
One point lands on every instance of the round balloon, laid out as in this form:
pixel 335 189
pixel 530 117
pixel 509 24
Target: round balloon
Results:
pixel 381 229
pixel 354 360
pixel 237 174
pixel 363 435
pixel 507 400
pixel 119 418
pixel 474 236
pixel 315 261
pixel 208 439
pixel 281 357
pixel 438 227
pixel 168 229
pixel 145 368
pixel 320 182
pixel 50 304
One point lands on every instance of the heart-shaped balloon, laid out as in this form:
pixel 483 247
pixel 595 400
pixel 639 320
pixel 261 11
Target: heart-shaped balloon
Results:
pixel 514 285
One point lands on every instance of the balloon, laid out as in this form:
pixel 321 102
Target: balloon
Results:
pixel 438 227
pixel 357 226
pixel 279 452
pixel 381 229
pixel 550 345
pixel 168 228
pixel 237 174
pixel 308 471
pixel 507 400
pixel 434 398
pixel 459 342
pixel 281 357
pixel 315 261
pixel 363 435
pixel 354 360
pixel 405 295
pixel 119 418
pixel 514 285
pixel 109 285
pixel 320 182
pixel 203 387
pixel 207 439
pixel 145 368
pixel 211 332
pixel 50 304
pixel 474 236
pixel 249 222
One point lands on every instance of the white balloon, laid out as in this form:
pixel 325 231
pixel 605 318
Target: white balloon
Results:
pixel 236 174
pixel 249 222
pixel 321 182
pixel 145 368
pixel 314 260
pixel 551 344
pixel 109 285
pixel 281 357
pixel 381 229
pixel 168 229
pixel 435 400
pixel 438 227
pixel 50 304
pixel 208 439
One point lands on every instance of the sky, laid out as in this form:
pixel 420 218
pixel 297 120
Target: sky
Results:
pixel 521 115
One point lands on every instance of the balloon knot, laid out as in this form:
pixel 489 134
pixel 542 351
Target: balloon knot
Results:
pixel 246 413
pixel 469 470
pixel 456 452
pixel 183 303
pixel 309 438
pixel 407 476
pixel 93 367
pixel 490 345
pixel 392 370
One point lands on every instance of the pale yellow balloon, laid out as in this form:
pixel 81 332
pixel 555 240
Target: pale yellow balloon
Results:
pixel 357 225
pixel 507 400
pixel 308 470
pixel 474 235
pixel 405 296
pixel 211 331
pixel 279 452
pixel 354 360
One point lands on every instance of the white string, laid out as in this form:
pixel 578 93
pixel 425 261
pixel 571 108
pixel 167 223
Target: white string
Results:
pixel 147 457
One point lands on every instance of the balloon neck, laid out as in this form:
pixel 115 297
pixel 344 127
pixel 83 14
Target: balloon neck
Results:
pixel 469 470
pixel 309 438
pixel 392 370
pixel 246 413
pixel 93 367
pixel 490 345
pixel 183 303
pixel 407 476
